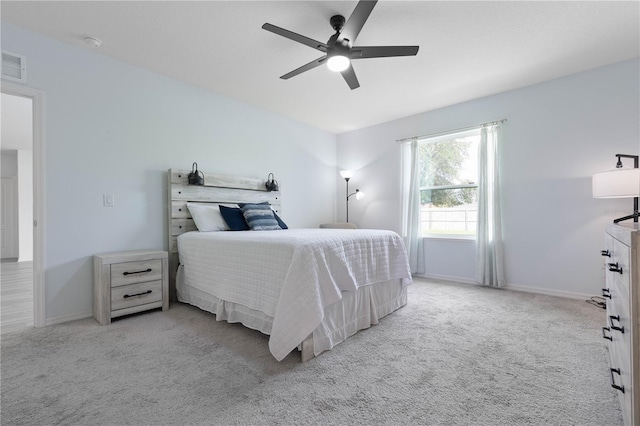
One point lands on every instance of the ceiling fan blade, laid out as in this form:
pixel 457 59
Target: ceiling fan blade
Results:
pixel 311 65
pixel 296 37
pixel 350 77
pixel 356 21
pixel 382 51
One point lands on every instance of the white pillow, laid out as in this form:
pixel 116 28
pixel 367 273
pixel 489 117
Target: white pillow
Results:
pixel 207 217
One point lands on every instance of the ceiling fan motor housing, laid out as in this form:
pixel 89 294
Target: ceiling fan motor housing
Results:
pixel 337 22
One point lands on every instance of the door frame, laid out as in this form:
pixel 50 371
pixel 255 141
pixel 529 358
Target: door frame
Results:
pixel 37 97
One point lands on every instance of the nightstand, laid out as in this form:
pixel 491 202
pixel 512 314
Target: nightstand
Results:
pixel 127 282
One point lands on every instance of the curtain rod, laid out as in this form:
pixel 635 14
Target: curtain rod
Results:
pixel 463 129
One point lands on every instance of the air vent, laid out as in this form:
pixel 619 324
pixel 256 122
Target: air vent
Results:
pixel 14 67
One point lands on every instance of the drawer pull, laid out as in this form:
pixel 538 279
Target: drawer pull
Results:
pixel 606 293
pixel 605 253
pixel 136 272
pixel 126 296
pixel 613 267
pixel 613 382
pixel 613 318
pixel 604 334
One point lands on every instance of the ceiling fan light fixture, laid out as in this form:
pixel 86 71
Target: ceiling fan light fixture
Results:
pixel 338 63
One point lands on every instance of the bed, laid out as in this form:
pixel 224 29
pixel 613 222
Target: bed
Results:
pixel 308 289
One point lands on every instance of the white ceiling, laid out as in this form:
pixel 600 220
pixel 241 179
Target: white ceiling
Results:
pixel 467 49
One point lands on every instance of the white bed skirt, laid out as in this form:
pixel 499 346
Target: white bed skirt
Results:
pixel 355 311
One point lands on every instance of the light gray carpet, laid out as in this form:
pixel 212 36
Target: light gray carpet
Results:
pixel 455 355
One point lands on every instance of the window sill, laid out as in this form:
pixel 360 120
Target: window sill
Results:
pixel 450 237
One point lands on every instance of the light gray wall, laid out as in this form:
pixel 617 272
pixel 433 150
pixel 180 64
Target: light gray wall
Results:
pixel 17 122
pixel 111 127
pixel 9 163
pixel 558 134
pixel 25 205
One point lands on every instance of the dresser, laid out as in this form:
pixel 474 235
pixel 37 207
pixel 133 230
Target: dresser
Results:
pixel 622 329
pixel 127 282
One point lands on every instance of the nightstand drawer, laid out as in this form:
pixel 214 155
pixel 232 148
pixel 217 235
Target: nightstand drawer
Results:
pixel 123 297
pixel 135 272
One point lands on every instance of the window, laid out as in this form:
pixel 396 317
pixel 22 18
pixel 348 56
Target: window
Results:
pixel 449 184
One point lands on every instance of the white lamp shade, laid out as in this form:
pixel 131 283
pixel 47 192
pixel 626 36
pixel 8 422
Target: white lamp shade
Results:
pixel 347 174
pixel 359 195
pixel 616 183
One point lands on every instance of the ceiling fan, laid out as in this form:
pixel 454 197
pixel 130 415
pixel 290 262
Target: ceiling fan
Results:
pixel 339 50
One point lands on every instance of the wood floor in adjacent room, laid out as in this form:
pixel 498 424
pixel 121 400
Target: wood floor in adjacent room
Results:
pixel 16 294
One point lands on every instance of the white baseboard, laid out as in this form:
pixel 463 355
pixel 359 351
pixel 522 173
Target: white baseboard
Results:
pixel 512 287
pixel 66 318
pixel 549 292
pixel 462 280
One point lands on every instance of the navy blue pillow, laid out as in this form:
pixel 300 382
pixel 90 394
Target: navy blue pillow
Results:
pixel 280 222
pixel 234 218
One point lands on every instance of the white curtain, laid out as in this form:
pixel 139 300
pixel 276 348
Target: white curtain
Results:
pixel 411 206
pixel 490 265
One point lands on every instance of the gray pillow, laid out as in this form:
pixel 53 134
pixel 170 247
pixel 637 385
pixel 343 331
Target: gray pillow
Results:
pixel 259 217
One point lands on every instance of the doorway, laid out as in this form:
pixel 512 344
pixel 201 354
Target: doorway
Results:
pixel 21 270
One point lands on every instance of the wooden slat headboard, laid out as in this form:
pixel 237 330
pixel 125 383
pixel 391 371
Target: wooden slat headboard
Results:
pixel 217 189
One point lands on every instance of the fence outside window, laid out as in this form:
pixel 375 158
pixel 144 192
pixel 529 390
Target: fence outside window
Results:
pixel 461 220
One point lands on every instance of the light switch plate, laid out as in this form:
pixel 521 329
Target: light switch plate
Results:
pixel 107 200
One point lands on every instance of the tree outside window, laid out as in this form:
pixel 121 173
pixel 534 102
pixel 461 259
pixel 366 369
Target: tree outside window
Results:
pixel 449 184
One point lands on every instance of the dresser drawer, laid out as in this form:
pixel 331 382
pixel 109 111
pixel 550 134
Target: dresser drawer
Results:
pixel 126 296
pixel 620 376
pixel 618 329
pixel 620 261
pixel 135 272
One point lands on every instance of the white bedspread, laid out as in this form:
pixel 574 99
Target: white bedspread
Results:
pixel 291 274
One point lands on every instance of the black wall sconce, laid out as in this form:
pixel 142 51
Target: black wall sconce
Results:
pixel 271 184
pixel 195 177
